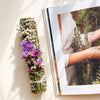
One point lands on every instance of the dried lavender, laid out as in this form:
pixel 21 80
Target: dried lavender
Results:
pixel 32 54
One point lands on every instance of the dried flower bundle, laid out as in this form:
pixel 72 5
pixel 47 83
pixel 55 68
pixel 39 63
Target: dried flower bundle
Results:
pixel 32 54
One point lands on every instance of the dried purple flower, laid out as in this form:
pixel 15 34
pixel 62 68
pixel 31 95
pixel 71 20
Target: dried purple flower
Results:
pixel 38 61
pixel 29 69
pixel 27 46
pixel 41 51
pixel 23 55
pixel 36 53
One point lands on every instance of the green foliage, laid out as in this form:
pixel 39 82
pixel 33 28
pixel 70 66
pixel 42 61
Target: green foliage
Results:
pixel 87 19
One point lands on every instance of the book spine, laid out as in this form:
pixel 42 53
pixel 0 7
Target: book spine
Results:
pixel 50 48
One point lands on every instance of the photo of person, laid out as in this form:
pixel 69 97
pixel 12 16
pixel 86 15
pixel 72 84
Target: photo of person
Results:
pixel 80 37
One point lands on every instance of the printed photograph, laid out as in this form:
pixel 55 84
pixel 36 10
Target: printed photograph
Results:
pixel 80 37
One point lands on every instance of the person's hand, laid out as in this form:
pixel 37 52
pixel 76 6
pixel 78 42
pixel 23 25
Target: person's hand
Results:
pixel 94 52
pixel 95 36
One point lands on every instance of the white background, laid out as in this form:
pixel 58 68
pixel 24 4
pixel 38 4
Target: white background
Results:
pixel 14 79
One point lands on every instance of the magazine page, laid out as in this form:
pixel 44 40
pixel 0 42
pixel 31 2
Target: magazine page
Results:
pixel 75 39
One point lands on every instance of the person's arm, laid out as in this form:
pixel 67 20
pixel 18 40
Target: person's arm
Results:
pixel 95 36
pixel 93 52
pixel 77 57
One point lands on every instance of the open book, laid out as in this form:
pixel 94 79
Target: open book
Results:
pixel 73 36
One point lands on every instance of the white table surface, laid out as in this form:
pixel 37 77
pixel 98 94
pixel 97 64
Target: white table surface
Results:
pixel 14 79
